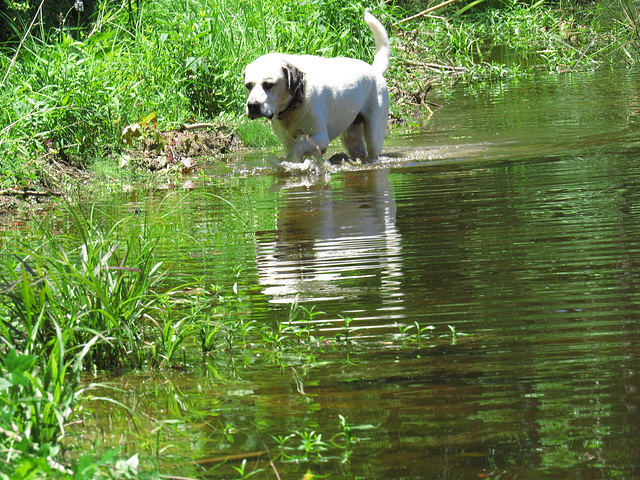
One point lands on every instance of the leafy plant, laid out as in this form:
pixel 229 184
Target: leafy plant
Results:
pixel 420 332
pixel 311 445
pixel 347 328
pixel 243 471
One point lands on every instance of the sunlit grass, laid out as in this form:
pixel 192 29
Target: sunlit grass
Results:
pixel 182 60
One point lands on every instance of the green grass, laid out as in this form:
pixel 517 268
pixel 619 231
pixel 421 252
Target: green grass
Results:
pixel 102 281
pixel 72 94
pixel 258 134
pixel 95 298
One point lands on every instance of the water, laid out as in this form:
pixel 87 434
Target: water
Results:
pixel 512 216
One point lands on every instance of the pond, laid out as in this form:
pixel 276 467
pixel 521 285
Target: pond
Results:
pixel 487 267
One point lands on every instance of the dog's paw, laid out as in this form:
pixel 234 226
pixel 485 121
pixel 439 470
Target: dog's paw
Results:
pixel 338 158
pixel 343 159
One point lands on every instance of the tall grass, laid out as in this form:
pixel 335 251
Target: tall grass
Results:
pixel 95 298
pixel 101 286
pixel 73 93
pixel 620 20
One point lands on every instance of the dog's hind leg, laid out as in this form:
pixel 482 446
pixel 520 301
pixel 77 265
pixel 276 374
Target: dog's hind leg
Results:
pixel 374 135
pixel 353 139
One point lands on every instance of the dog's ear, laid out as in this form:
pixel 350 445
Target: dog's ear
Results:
pixel 295 80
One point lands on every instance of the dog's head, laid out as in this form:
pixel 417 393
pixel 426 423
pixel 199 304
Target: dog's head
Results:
pixel 273 85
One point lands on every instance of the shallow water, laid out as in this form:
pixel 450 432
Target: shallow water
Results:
pixel 511 215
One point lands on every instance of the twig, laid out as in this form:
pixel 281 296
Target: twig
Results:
pixel 228 458
pixel 270 460
pixel 173 477
pixel 583 54
pixel 424 12
pixel 436 66
pixel 13 60
pixel 195 126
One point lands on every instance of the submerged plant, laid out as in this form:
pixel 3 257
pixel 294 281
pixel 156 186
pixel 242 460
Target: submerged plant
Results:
pixel 311 445
pixel 345 434
pixel 347 329
pixel 244 472
pixel 172 335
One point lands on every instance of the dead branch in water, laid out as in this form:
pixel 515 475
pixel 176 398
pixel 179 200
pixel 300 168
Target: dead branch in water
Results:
pixel 436 67
pixel 424 12
pixel 16 192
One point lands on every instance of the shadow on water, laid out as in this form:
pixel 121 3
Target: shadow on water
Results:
pixel 507 228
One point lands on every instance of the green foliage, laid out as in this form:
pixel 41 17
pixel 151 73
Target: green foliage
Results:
pixel 71 92
pixel 618 21
pixel 536 35
pixel 96 297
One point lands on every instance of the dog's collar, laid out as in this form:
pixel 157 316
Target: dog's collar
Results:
pixel 296 100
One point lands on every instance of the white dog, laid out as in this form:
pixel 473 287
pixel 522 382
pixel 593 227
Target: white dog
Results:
pixel 312 100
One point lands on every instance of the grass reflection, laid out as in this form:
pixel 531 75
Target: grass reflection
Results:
pixel 98 299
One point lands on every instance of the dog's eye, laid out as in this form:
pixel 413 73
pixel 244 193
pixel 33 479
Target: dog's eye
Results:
pixel 268 86
pixel 249 85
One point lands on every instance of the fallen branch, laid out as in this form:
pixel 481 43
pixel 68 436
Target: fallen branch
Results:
pixel 437 67
pixel 425 12
pixel 229 458
pixel 271 460
pixel 14 192
pixel 196 126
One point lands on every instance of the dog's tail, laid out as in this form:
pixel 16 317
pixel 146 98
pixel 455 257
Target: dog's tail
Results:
pixel 383 49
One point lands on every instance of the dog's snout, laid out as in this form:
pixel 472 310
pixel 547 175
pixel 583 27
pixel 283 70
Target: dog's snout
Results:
pixel 253 109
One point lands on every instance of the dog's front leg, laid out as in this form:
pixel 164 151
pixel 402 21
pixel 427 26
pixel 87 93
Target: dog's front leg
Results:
pixel 305 146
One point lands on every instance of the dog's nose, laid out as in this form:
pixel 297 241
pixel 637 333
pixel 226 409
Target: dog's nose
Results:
pixel 253 109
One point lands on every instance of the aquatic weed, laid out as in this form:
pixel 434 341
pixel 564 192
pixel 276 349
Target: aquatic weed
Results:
pixel 347 330
pixel 244 328
pixel 455 334
pixel 403 334
pixel 420 331
pixel 345 434
pixel 172 335
pixel 311 445
pixel 207 331
pixel 281 441
pixel 242 470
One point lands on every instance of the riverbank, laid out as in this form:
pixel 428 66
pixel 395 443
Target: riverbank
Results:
pixel 72 92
